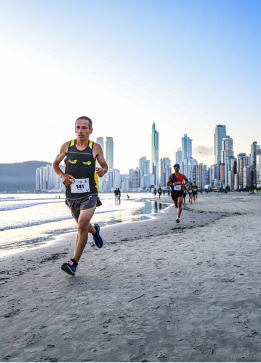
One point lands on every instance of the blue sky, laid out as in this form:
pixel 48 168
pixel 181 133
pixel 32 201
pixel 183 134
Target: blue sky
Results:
pixel 187 65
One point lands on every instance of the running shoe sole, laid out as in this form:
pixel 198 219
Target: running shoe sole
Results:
pixel 177 220
pixel 66 268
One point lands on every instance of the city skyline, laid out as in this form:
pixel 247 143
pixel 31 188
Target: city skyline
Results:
pixel 187 65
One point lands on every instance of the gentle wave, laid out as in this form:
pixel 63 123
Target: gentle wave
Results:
pixel 35 223
pixel 22 206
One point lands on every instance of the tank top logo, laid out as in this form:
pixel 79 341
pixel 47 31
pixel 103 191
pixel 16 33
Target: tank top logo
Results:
pixel 87 162
pixel 72 161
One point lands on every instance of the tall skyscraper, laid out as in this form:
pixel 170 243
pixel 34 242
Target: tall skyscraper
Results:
pixel 110 152
pixel 179 156
pixel 155 154
pixel 227 148
pixel 254 148
pixel 220 133
pixel 99 141
pixel 165 171
pixel 186 147
pixel 144 169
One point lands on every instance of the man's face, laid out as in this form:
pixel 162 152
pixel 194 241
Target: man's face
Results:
pixel 176 170
pixel 82 130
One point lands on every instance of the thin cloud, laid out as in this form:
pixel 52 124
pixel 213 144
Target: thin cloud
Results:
pixel 204 150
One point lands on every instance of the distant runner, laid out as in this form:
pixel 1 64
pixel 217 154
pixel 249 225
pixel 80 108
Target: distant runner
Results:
pixel 175 181
pixel 155 192
pixel 81 181
pixel 184 194
pixel 160 192
pixel 195 193
pixel 190 193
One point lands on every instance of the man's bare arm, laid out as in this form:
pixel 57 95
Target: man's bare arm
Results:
pixel 56 168
pixel 185 178
pixel 100 158
pixel 169 183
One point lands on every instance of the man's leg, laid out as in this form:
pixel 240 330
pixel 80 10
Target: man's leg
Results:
pixel 84 226
pixel 179 206
pixel 91 230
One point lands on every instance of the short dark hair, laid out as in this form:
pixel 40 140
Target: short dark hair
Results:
pixel 87 119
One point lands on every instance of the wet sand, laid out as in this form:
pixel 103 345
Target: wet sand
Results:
pixel 156 291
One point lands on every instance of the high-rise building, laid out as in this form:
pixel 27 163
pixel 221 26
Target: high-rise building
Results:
pixel 46 179
pixel 222 172
pixel 155 154
pixel 144 169
pixel 214 174
pixel 116 178
pixel 186 167
pixel 227 148
pixel 165 171
pixel 135 179
pixel 229 171
pixel 246 176
pixel 179 156
pixel 110 152
pixel 220 133
pixel 200 175
pixel 254 148
pixel 258 168
pixel 241 161
pixel 186 147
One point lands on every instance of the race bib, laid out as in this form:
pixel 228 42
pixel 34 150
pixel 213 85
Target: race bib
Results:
pixel 80 186
pixel 177 187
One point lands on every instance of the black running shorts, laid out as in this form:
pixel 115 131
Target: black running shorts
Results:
pixel 176 195
pixel 195 192
pixel 86 203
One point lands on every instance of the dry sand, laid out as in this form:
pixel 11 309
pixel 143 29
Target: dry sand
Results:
pixel 156 291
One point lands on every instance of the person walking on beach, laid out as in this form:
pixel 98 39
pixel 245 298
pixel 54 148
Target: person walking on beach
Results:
pixel 81 181
pixel 175 181
pixel 116 193
pixel 119 197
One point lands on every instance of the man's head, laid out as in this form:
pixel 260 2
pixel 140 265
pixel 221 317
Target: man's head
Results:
pixel 83 128
pixel 176 167
pixel 194 184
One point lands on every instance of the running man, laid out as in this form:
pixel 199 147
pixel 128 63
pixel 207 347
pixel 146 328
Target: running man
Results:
pixel 159 191
pixel 195 193
pixel 175 181
pixel 81 181
pixel 190 192
pixel 184 194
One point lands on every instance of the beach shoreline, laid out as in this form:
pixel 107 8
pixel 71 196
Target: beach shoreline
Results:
pixel 156 291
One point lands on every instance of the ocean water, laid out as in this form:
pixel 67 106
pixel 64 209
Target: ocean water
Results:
pixel 32 220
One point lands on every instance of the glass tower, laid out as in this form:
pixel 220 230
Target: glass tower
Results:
pixel 155 154
pixel 220 133
pixel 110 152
pixel 227 148
pixel 186 147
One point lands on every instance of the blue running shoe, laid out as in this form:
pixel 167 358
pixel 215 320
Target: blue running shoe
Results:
pixel 70 267
pixel 97 237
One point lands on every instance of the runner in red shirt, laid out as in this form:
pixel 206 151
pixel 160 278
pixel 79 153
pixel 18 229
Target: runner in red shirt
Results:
pixel 175 181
